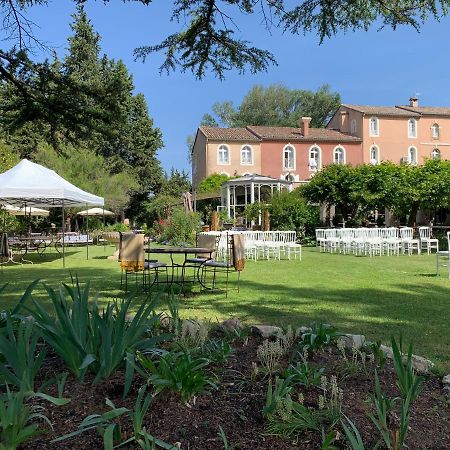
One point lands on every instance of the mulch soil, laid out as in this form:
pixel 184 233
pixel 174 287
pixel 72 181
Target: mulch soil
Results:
pixel 237 406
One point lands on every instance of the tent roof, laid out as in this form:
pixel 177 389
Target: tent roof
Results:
pixel 96 212
pixel 35 185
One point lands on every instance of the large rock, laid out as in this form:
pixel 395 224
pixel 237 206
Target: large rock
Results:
pixel 266 331
pixel 190 327
pixel 387 351
pixel 422 365
pixel 354 340
pixel 232 324
pixel 446 383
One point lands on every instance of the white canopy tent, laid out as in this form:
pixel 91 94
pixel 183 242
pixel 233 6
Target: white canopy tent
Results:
pixel 30 184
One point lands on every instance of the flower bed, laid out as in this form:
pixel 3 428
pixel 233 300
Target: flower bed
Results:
pixel 202 386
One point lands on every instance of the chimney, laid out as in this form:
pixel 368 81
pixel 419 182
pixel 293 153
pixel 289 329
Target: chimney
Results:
pixel 414 102
pixel 304 125
pixel 344 122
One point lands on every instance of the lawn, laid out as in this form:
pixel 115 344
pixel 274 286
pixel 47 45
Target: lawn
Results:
pixel 378 297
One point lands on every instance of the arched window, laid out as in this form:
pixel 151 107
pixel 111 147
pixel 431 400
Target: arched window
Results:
pixel 412 155
pixel 374 155
pixel 315 158
pixel 435 131
pixel 223 155
pixel 436 154
pixel 412 128
pixel 289 157
pixel 339 155
pixel 353 128
pixel 373 127
pixel 246 155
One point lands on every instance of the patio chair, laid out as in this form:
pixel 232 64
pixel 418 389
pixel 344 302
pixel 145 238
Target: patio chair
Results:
pixel 131 257
pixel 426 241
pixel 203 241
pixel 234 262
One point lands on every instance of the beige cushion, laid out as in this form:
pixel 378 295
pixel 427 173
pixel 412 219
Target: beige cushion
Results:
pixel 206 241
pixel 132 251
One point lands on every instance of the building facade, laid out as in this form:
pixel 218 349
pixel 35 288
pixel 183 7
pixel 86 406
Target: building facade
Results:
pixel 291 154
pixel 409 134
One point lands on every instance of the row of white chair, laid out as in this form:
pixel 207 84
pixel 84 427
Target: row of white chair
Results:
pixel 375 241
pixel 263 244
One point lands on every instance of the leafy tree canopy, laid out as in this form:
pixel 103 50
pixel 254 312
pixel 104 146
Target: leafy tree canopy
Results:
pixel 8 158
pixel 207 39
pixel 89 171
pixel 276 105
pixel 404 189
pixel 99 112
pixel 212 183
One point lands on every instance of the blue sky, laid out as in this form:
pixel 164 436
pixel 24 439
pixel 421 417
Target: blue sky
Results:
pixel 375 68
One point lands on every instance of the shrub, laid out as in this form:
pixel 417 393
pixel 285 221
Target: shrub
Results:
pixel 320 335
pixel 180 228
pixel 111 430
pixel 119 226
pixel 89 338
pixel 18 420
pixel 18 345
pixel 213 183
pixel 289 211
pixel 286 417
pixel 178 371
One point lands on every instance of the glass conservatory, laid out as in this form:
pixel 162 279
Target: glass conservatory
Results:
pixel 239 192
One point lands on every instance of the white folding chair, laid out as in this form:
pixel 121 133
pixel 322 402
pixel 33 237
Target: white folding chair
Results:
pixel 426 241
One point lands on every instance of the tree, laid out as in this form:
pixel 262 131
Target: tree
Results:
pixel 404 189
pixel 176 184
pixel 206 42
pixel 115 125
pixel 290 211
pixel 89 171
pixel 277 105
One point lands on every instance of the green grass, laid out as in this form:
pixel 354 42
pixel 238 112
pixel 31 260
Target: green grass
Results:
pixel 377 297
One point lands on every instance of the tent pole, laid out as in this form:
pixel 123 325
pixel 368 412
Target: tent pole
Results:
pixel 63 236
pixel 87 232
pixel 103 237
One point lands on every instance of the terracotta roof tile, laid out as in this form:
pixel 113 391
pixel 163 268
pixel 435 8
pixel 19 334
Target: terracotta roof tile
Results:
pixel 427 110
pixel 393 111
pixel 229 134
pixel 294 134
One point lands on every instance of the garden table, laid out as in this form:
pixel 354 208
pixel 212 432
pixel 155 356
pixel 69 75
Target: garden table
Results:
pixel 29 244
pixel 185 251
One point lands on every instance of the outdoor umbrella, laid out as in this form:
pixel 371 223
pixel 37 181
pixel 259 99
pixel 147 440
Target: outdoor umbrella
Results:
pixel 28 211
pixel 96 212
pixel 30 184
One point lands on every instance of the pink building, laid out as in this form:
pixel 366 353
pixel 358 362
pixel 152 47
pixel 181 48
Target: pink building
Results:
pixel 292 154
pixel 409 133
